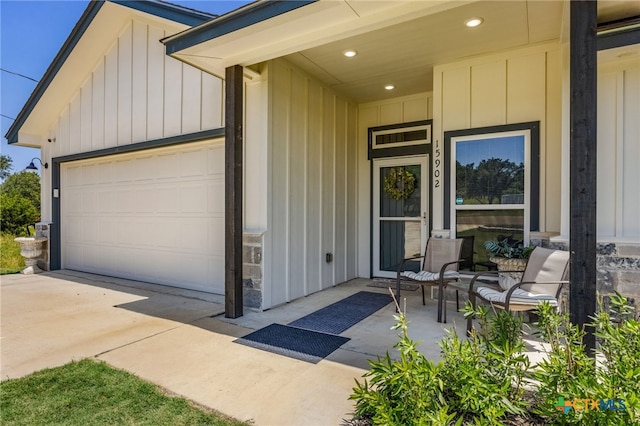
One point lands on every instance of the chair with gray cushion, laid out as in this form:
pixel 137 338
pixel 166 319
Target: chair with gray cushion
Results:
pixel 439 267
pixel 542 280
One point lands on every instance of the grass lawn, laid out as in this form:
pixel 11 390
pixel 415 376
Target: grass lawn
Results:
pixel 11 261
pixel 90 392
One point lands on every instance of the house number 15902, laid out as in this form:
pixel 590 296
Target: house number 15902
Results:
pixel 436 170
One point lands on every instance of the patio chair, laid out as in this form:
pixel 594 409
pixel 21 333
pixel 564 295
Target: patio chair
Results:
pixel 439 267
pixel 542 280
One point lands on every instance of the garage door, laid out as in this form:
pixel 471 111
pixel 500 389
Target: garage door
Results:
pixel 155 215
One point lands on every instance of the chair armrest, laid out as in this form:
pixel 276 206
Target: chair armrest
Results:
pixel 478 275
pixel 513 288
pixel 405 261
pixel 444 267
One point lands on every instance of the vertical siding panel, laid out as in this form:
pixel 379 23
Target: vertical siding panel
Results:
pixel 630 154
pixel 191 92
pixel 279 169
pixel 139 83
pixel 86 115
pixel 456 105
pixel 526 88
pixel 352 191
pixel 606 155
pixel 488 94
pixel 74 124
pixel 155 84
pixel 97 106
pixel 390 113
pixel 172 96
pixel 328 188
pixel 340 228
pixel 297 174
pixel 111 98
pixel 551 148
pixel 414 109
pixel 211 102
pixel 64 136
pixel 314 188
pixel 124 86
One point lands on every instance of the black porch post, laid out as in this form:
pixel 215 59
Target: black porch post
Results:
pixel 582 169
pixel 233 192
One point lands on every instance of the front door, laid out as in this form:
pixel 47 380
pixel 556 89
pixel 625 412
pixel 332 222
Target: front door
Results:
pixel 400 206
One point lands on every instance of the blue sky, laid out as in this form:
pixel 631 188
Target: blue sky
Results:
pixel 31 33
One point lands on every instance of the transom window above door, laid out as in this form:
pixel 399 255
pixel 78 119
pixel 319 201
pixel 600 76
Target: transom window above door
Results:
pixel 491 183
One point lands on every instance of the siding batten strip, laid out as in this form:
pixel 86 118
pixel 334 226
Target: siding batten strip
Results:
pixel 233 192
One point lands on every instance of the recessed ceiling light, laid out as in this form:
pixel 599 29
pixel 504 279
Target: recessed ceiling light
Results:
pixel 473 22
pixel 349 53
pixel 389 87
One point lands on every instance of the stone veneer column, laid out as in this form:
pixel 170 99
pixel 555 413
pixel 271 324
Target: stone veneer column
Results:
pixel 43 230
pixel 252 244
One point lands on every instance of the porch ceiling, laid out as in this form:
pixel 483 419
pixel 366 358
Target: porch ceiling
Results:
pixel 397 42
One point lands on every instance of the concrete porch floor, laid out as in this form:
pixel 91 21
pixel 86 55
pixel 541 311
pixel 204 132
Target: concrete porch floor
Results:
pixel 180 340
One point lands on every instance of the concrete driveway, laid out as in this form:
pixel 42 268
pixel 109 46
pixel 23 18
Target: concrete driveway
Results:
pixel 181 341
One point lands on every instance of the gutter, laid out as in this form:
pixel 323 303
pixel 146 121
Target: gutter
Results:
pixel 238 19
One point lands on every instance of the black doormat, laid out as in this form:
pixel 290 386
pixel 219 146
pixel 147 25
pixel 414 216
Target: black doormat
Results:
pixel 339 316
pixel 297 343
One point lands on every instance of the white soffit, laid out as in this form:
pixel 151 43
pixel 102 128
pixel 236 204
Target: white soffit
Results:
pixel 309 26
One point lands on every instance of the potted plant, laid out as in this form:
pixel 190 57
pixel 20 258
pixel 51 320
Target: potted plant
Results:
pixel 509 254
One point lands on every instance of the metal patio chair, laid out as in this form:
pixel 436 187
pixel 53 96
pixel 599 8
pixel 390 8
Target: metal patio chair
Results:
pixel 542 280
pixel 439 267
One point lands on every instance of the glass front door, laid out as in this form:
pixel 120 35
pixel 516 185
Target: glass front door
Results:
pixel 400 196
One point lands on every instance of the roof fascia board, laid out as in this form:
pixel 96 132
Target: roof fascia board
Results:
pixel 174 13
pixel 625 37
pixel 225 24
pixel 81 26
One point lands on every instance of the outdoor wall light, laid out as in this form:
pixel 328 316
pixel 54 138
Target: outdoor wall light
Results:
pixel 52 139
pixel 349 53
pixel 32 166
pixel 389 87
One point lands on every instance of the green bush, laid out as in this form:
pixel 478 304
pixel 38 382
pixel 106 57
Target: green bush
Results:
pixel 16 214
pixel 479 379
pixel 568 373
pixel 19 203
pixel 487 379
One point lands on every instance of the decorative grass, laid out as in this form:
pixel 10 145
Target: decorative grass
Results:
pixel 89 392
pixel 11 261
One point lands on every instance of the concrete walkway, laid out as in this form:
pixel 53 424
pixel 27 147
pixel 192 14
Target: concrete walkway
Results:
pixel 181 341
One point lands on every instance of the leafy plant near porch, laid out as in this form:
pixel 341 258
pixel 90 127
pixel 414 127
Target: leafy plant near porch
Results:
pixel 487 380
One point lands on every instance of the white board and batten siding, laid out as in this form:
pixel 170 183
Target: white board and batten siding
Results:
pixel 155 216
pixel 136 93
pixel 511 87
pixel 619 151
pixel 312 186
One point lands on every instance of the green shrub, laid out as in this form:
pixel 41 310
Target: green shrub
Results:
pixel 478 380
pixel 568 373
pixel 16 214
pixel 481 380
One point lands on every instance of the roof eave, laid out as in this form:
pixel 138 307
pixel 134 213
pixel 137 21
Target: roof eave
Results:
pixel 241 18
pixel 164 10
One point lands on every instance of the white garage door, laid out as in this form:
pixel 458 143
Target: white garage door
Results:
pixel 155 215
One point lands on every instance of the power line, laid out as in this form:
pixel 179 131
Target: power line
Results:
pixel 6 116
pixel 18 74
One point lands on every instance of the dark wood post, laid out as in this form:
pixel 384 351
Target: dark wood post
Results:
pixel 583 166
pixel 233 192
